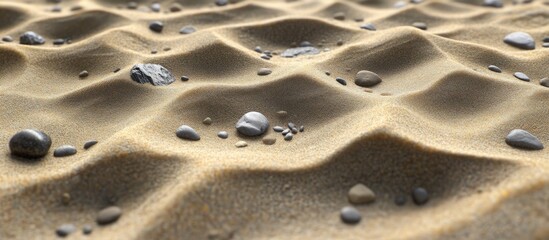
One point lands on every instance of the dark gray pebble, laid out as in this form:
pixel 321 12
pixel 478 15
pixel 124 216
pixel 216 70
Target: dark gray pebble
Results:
pixel 89 144
pixel 368 26
pixel 302 128
pixel 87 229
pixel 367 79
pixel 83 74
pixel 59 41
pixel 350 215
pixel 494 68
pixel 154 74
pixel 420 196
pixel 294 52
pixel 187 30
pixel 64 151
pixel 264 71
pixel 519 138
pixel 420 25
pixel 31 38
pixel 493 3
pixel 108 215
pixel 65 229
pixel 289 136
pixel 400 200
pixel 7 39
pixel 156 26
pixel 188 133
pixel 184 78
pixel 30 143
pixel 258 49
pixel 341 81
pixel 278 129
pixel 221 2
pixel 286 131
pixel 544 82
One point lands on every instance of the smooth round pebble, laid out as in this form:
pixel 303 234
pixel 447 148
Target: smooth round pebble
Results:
pixel 252 124
pixel 278 129
pixel 350 215
pixel 522 76
pixel 207 121
pixel 360 194
pixel 420 196
pixel 289 136
pixel 223 134
pixel 30 143
pixel 269 140
pixel 7 39
pixel 156 26
pixel 367 79
pixel 264 71
pixel 108 215
pixel 519 138
pixel 188 133
pixel 520 40
pixel 65 229
pixel 87 229
pixel 64 151
pixel 83 74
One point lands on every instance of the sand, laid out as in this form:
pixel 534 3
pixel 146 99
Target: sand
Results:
pixel 438 120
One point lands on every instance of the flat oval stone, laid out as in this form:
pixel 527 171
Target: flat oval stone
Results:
pixel 31 38
pixel 494 68
pixel 188 133
pixel 294 52
pixel 520 40
pixel 544 82
pixel 30 143
pixel 360 194
pixel 522 76
pixel 65 229
pixel 187 29
pixel 252 124
pixel 367 79
pixel 278 129
pixel 89 144
pixel 350 215
pixel 519 138
pixel 420 196
pixel 493 3
pixel 64 151
pixel 420 25
pixel 264 71
pixel 108 215
pixel 154 74
pixel 368 26
pixel 241 144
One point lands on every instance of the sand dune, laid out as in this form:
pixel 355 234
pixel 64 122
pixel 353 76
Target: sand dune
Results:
pixel 438 120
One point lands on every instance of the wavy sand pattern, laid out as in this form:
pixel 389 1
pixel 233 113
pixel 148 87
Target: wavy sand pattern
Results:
pixel 438 120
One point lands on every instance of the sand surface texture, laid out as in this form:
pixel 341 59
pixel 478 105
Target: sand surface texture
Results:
pixel 438 120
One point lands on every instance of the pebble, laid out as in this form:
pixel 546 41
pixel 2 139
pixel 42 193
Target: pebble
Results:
pixel 108 215
pixel 154 74
pixel 64 151
pixel 282 114
pixel 494 68
pixel 241 144
pixel 265 56
pixel 302 128
pixel 89 144
pixel 76 8
pixel 328 73
pixel 221 2
pixel 116 70
pixel 156 26
pixel 294 130
pixel 184 78
pixel 7 39
pixel 400 200
pixel 65 229
pixel 400 4
pixel 258 49
pixel 289 136
pixel 155 7
pixel 175 7
pixel 522 76
pixel 59 41
pixel 132 5
pixel 87 229
pixel 252 124
pixel 187 29
pixel 339 16
pixel 341 81
pixel 350 215
pixel 294 52
pixel 544 82
pixel 285 131
pixel 493 3
pixel 264 71
pixel 420 196
pixel 30 143
pixel 368 26
pixel 519 138
pixel 546 39
pixel 305 44
pixel 420 25
pixel 291 125
pixel 223 134
pixel 520 40
pixel 360 194
pixel 207 121
pixel 367 79
pixel 31 38
pixel 269 140
pixel 545 44
pixel 66 198
pixel 278 129
pixel 188 133
pixel 83 74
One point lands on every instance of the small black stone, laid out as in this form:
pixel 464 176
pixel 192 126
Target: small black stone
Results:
pixel 156 26
pixel 420 196
pixel 341 81
pixel 494 68
pixel 89 144
pixel 30 143
pixel 83 74
pixel 87 229
pixel 65 229
pixel 184 78
pixel 116 70
pixel 350 215
pixel 59 41
pixel 400 200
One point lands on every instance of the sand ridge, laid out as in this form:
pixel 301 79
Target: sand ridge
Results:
pixel 438 120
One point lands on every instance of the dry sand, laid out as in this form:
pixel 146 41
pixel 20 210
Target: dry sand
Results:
pixel 438 121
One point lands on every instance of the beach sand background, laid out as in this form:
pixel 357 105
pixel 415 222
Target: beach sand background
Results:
pixel 438 121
